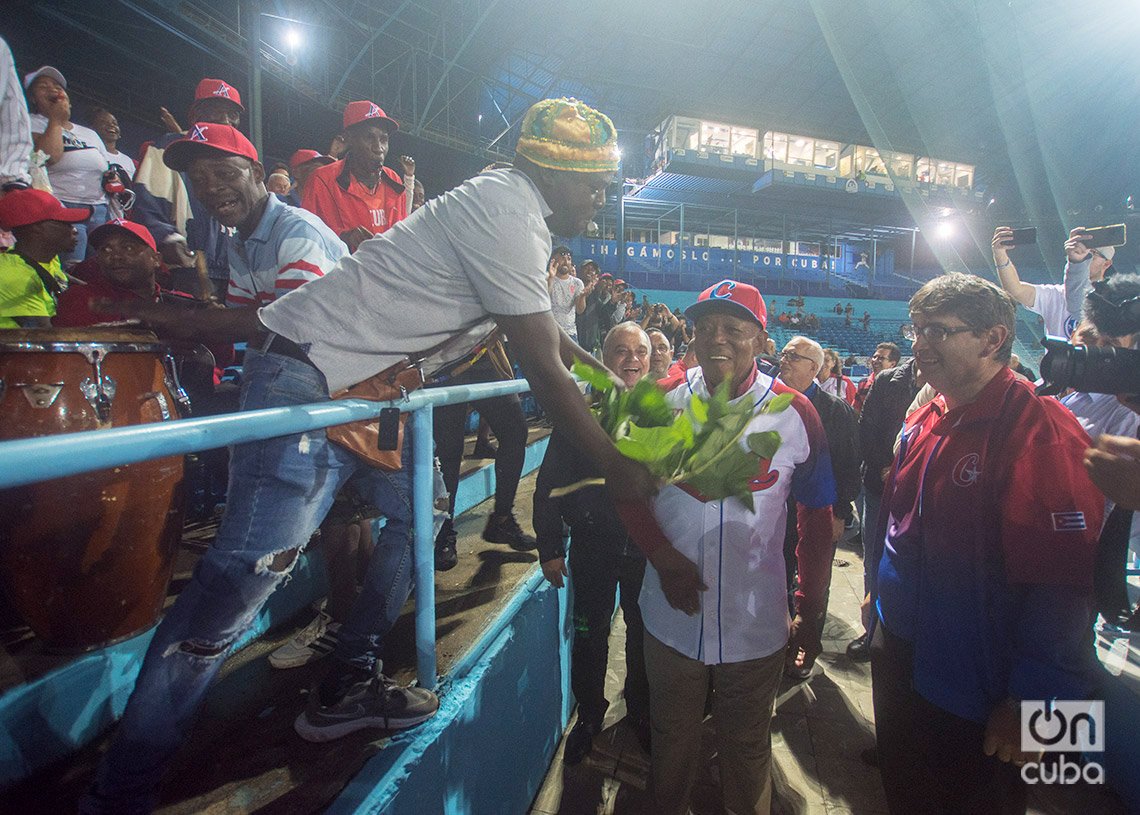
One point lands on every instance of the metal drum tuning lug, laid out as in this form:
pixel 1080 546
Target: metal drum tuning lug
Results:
pixel 174 385
pixel 99 392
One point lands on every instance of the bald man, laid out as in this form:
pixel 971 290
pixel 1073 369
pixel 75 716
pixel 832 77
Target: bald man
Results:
pixel 800 361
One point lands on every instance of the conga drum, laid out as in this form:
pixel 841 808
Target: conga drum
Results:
pixel 87 559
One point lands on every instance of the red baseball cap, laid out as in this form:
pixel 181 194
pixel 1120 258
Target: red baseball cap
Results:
pixel 730 297
pixel 365 111
pixel 217 89
pixel 222 138
pixel 24 207
pixel 138 231
pixel 305 156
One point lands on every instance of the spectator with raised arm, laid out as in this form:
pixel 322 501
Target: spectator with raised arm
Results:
pixel 1059 304
pixel 76 159
pixel 358 196
pixel 164 204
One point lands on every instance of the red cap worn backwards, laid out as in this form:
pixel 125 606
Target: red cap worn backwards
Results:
pixel 364 111
pixel 24 207
pixel 305 156
pixel 730 297
pixel 108 229
pixel 220 138
pixel 217 89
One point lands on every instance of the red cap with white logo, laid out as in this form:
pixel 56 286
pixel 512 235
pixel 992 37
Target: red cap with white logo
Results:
pixel 137 231
pixel 365 111
pixel 731 297
pixel 217 89
pixel 221 138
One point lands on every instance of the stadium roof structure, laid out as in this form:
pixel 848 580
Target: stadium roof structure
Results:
pixel 1038 93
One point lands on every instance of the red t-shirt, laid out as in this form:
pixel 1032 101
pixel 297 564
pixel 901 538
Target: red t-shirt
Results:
pixel 335 196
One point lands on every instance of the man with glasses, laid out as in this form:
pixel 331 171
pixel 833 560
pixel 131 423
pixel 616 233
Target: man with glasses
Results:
pixel 984 590
pixel 800 361
pixel 1059 304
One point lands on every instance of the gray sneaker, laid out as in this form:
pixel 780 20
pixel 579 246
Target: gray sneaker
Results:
pixel 378 702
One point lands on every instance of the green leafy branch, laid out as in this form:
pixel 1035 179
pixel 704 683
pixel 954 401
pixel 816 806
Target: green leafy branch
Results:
pixel 699 446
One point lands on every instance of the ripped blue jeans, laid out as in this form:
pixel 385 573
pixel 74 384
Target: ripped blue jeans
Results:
pixel 279 492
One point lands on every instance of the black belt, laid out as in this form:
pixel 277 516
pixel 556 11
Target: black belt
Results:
pixel 276 344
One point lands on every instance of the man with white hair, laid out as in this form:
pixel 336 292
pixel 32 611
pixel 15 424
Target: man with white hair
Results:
pixel 800 361
pixel 602 559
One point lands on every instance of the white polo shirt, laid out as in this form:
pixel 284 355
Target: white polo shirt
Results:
pixel 740 553
pixel 479 250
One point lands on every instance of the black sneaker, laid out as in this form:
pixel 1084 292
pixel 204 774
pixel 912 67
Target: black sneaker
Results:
pixel 580 741
pixel 505 529
pixel 484 449
pixel 376 702
pixel 859 649
pixel 445 555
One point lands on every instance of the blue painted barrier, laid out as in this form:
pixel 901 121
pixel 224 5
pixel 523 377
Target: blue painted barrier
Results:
pixel 33 730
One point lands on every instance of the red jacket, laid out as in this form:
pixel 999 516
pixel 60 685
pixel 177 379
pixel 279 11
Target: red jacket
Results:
pixel 335 196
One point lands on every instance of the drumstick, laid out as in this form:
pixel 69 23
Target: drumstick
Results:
pixel 205 287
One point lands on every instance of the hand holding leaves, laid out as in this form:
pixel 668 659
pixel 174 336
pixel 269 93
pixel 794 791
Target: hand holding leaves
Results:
pixel 699 445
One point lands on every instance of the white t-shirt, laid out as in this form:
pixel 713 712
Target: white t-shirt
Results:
pixel 124 161
pixel 479 250
pixel 1059 304
pixel 77 177
pixel 563 292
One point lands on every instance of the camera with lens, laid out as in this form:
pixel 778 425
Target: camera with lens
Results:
pixel 1088 369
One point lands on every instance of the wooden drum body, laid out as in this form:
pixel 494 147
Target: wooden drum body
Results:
pixel 87 559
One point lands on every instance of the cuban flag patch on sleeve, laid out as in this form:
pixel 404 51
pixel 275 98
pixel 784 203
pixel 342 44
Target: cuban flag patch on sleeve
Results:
pixel 1069 522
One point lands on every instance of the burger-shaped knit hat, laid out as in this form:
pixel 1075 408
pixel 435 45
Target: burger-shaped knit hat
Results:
pixel 565 134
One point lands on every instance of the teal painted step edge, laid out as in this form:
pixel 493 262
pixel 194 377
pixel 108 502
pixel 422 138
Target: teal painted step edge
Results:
pixel 49 718
pixel 501 717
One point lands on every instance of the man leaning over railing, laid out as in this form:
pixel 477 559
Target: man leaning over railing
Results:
pixel 489 240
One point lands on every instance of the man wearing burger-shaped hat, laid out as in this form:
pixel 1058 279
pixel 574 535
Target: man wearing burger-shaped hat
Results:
pixel 714 598
pixel 489 241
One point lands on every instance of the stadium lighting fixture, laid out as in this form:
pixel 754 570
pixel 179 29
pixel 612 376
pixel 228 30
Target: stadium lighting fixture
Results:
pixel 292 37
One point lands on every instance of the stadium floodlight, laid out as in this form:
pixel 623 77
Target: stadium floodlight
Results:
pixel 292 37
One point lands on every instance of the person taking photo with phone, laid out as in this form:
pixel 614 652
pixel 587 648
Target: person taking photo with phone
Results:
pixel 1059 304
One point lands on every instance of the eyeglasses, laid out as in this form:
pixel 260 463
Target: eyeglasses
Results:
pixel 792 356
pixel 1098 253
pixel 933 333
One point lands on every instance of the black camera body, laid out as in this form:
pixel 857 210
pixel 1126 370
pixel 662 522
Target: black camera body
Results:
pixel 1088 369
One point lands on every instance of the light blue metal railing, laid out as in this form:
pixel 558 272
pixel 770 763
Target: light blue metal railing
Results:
pixel 26 461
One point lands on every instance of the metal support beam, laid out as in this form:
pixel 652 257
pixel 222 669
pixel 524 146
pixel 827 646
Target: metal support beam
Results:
pixel 364 48
pixel 451 63
pixel 253 41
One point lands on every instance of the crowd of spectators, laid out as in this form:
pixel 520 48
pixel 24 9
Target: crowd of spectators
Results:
pixel 980 503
